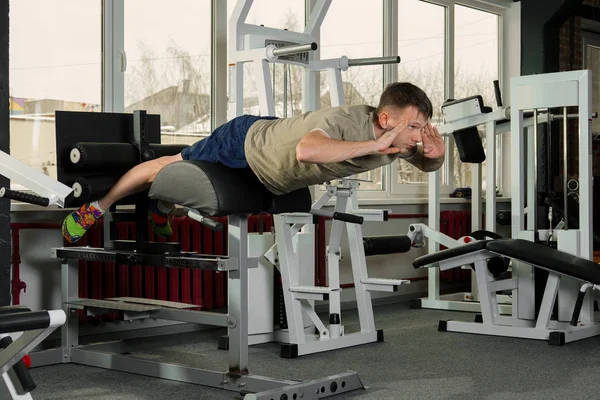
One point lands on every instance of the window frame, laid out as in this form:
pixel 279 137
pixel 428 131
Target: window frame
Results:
pixel 115 62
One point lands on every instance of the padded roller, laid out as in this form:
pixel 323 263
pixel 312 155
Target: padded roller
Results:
pixel 26 321
pixel 386 245
pixel 121 156
pixel 217 190
pixel 92 188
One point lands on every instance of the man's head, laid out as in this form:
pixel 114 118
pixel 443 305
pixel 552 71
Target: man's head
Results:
pixel 404 101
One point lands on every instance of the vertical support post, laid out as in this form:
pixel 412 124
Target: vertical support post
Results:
pixel 238 295
pixel 264 87
pixel 5 250
pixel 236 90
pixel 218 65
pixel 336 87
pixel 114 62
pixel 476 203
pixel 69 290
pixel 490 177
pixel 333 264
pixel 288 263
pixel 359 269
pixel 586 209
pixel 433 284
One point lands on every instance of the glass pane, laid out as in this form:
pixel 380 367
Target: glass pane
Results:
pixel 54 67
pixel 476 67
pixel 168 65
pixel 280 15
pixel 422 53
pixel 592 62
pixel 345 33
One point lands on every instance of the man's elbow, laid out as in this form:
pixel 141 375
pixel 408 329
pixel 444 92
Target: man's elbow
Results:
pixel 433 165
pixel 302 152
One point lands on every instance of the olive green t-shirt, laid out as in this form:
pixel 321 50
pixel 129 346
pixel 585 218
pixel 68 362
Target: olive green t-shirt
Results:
pixel 270 147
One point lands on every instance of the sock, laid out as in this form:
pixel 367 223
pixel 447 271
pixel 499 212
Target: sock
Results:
pixel 163 207
pixel 96 205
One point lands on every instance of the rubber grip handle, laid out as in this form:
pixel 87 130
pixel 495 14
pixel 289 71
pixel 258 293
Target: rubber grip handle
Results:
pixel 212 224
pixel 24 197
pixel 353 219
pixel 577 308
pixel 20 370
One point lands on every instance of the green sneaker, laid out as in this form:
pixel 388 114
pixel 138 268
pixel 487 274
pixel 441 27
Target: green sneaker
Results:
pixel 78 222
pixel 161 221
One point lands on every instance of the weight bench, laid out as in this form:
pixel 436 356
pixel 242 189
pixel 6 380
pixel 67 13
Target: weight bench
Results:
pixel 558 264
pixel 205 190
pixel 21 330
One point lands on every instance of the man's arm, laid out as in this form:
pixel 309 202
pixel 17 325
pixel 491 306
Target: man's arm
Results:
pixel 417 158
pixel 318 148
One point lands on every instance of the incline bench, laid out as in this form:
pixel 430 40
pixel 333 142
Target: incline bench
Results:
pixel 557 263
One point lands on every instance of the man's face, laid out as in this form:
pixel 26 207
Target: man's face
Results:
pixel 407 139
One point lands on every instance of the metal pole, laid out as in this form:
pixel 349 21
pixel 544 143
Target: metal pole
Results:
pixel 293 49
pixel 373 61
pixel 533 205
pixel 565 168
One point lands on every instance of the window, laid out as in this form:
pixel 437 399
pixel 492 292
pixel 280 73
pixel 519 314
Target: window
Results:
pixel 476 67
pixel 344 32
pixel 55 64
pixel 286 79
pixel 168 65
pixel 423 56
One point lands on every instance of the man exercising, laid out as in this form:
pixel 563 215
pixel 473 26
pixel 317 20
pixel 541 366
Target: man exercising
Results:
pixel 290 153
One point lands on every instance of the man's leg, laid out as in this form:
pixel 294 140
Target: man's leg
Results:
pixel 135 180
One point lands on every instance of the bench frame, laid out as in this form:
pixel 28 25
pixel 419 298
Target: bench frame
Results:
pixel 491 322
pixel 111 355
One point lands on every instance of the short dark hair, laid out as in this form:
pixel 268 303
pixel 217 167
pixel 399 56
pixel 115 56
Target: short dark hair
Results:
pixel 404 94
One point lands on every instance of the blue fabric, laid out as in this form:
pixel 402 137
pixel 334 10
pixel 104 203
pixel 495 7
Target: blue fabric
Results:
pixel 225 145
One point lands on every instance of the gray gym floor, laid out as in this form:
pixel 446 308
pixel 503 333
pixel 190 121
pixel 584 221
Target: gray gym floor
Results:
pixel 415 362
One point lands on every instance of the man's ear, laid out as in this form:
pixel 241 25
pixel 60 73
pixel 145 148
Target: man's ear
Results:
pixel 383 119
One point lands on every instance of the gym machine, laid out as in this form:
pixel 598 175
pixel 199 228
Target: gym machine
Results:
pixel 132 138
pixel 261 46
pixel 21 329
pixel 564 313
pixel 461 119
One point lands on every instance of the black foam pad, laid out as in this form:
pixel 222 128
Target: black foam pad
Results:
pixel 469 145
pixel 547 258
pixel 449 253
pixel 217 190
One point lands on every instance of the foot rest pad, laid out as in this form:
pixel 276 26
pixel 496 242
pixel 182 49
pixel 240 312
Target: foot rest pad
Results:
pixel 153 302
pixel 312 292
pixel 383 284
pixel 112 305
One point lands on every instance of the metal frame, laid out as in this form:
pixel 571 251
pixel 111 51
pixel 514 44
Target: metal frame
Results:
pixel 494 128
pixel 544 91
pixel 23 343
pixel 237 378
pixel 34 180
pixel 298 278
pixel 540 327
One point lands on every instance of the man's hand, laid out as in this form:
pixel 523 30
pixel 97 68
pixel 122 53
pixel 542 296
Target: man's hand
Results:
pixel 384 143
pixel 433 143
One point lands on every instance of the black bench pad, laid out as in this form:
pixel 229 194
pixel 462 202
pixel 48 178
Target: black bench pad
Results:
pixel 547 258
pixel 532 253
pixel 449 253
pixel 217 190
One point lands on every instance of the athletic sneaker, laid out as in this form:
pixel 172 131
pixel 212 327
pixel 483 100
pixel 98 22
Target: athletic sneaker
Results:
pixel 161 221
pixel 78 222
